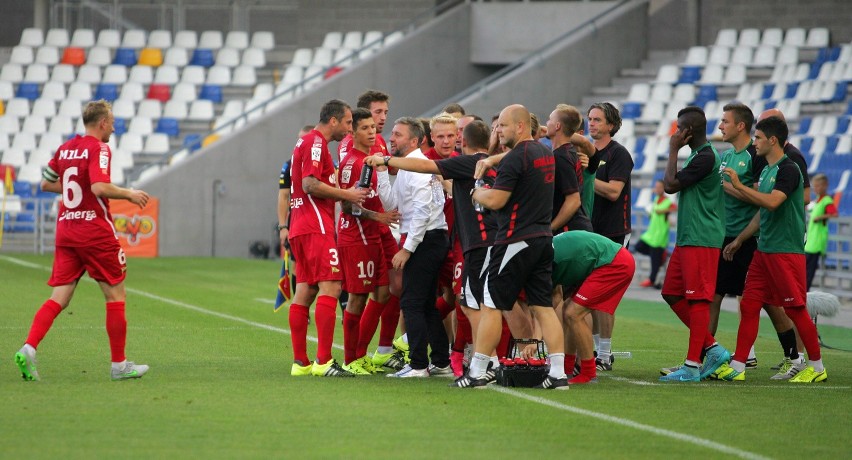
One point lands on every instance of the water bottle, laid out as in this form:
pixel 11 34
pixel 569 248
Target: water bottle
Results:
pixel 476 205
pixel 366 176
pixel 437 191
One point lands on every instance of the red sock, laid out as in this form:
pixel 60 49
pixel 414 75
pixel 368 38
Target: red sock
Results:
pixel 116 326
pixel 464 335
pixel 299 317
pixel 505 337
pixel 588 368
pixel 351 334
pixel 699 322
pixel 326 315
pixel 443 307
pixel 681 309
pixel 747 332
pixel 390 319
pixel 42 321
pixel 806 329
pixel 367 328
pixel 570 360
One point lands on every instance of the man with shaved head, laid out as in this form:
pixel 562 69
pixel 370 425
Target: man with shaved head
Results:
pixel 522 255
pixel 691 276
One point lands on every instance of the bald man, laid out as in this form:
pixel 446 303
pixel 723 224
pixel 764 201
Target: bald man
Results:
pixel 522 255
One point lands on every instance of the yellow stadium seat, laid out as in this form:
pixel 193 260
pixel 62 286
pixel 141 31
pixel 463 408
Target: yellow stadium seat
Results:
pixel 2 109
pixel 209 140
pixel 151 57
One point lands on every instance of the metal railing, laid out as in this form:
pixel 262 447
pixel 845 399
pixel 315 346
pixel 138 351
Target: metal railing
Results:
pixel 30 225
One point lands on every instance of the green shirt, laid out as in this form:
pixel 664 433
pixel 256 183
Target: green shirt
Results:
pixel 577 253
pixel 818 231
pixel 657 234
pixel 587 193
pixel 700 212
pixel 783 230
pixel 738 213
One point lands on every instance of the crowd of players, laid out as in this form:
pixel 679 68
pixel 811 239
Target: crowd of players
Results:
pixel 518 230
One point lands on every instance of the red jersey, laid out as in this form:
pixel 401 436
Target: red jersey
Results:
pixel 354 230
pixel 347 145
pixel 84 218
pixel 309 214
pixel 449 214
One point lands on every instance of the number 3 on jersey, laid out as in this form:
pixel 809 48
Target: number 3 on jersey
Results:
pixel 334 261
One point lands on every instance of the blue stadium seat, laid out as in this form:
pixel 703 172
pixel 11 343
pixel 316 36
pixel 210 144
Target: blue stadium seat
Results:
pixel 23 189
pixel 814 72
pixel 831 145
pixel 770 104
pixel 27 91
pixel 848 108
pixel 106 91
pixel 712 125
pixel 640 144
pixel 168 126
pixel 24 222
pixel 768 88
pixel 792 88
pixel 120 126
pixel 125 57
pixel 202 57
pixel 707 93
pixel 839 92
pixel 192 142
pixel 804 125
pixel 211 93
pixel 631 110
pixel 689 74
pixel 805 144
pixel 842 125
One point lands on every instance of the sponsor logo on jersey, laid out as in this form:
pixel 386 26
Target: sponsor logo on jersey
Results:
pixel 332 179
pixel 78 215
pixel 346 174
pixel 316 153
pixel 296 202
pixel 103 161
pixel 335 270
pixel 299 143
pixel 74 154
pixel 690 291
pixel 367 282
pixel 581 296
pixel 789 299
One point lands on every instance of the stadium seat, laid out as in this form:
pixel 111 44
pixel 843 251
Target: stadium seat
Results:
pixel 237 39
pixel 159 92
pixel 262 91
pixel 121 159
pixel 187 39
pixel 18 107
pixel 9 124
pixel 178 157
pixel 353 40
pixel 7 91
pixel 47 55
pixel 742 56
pixel 48 142
pixel 57 38
pixel 109 38
pixel 131 143
pixel 32 37
pixel 34 124
pixel 684 93
pixel 332 40
pixel 228 57
pixel 140 125
pixel 201 110
pixel 323 57
pixel 13 73
pixel 795 37
pixel 844 145
pixel 772 36
pixel 726 37
pixel 44 107
pixel 115 74
pixel 28 91
pixel 71 108
pixel 263 40
pixel 166 75
pixel 123 108
pixel 52 90
pixel 14 157
pixel 126 57
pixel 817 38
pixel 22 55
pixel 653 111
pixel 696 56
pixel 74 56
pixel 175 109
pixel 302 58
pixel 720 55
pixel 120 126
pixel 192 142
pixel 117 176
pixel 764 56
pixel 185 92
pixel 843 123
pixel 99 56
pixel 134 38
pixel 787 55
pixel 36 73
pixel 202 57
pixel 168 126
pixel 156 144
pixel 735 75
pixel 393 37
pixel 254 57
pixel 63 73
pixel 233 109
pixel 218 75
pixel 209 139
pixel 344 57
pixel 160 39
pixel 661 92
pixel 83 38
pixel 749 38
pixel 132 91
pixel 668 73
pixel 24 141
pixel 210 39
pixel 141 74
pixel 712 75
pixel 89 74
pixel 177 57
pixel 106 91
pixel 150 108
pixel 244 76
pixel 193 74
pixel 151 57
pixel 211 93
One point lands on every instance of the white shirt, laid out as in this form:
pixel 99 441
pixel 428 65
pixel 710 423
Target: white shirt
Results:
pixel 418 197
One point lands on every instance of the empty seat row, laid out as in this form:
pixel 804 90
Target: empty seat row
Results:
pixel 763 56
pixel 817 37
pixel 243 75
pixel 136 38
pixel 154 57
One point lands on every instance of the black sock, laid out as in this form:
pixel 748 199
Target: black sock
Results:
pixel 788 344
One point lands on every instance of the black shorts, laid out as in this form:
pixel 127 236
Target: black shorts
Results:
pixel 526 265
pixel 730 276
pixel 473 276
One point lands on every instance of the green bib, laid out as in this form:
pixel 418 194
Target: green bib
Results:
pixel 818 231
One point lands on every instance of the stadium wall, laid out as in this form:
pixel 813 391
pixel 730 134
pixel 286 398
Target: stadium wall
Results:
pixel 223 198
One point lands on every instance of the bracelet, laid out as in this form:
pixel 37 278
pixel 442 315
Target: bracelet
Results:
pixel 282 227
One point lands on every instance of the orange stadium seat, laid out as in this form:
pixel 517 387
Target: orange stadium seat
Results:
pixel 74 56
pixel 151 56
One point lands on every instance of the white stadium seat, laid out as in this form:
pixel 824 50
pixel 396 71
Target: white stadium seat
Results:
pixel 22 55
pixel 237 39
pixel 132 91
pixel 99 56
pixel 193 74
pixel 302 57
pixel 160 39
pixel 48 55
pixel 44 107
pixel 726 37
pixel 57 38
pixel 83 38
pixel 63 73
pixel 115 74
pixel 210 39
pixel 264 40
pixel 52 90
pixel 749 37
pixel 32 37
pixel 332 40
pixel 228 57
pixel 201 110
pixel 157 144
pixel 187 39
pixel 150 108
pixel 37 73
pixel 175 109
pixel 134 38
pixel 184 92
pixel 177 57
pixel 109 38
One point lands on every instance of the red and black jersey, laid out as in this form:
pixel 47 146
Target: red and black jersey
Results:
pixel 528 172
pixel 474 229
pixel 569 180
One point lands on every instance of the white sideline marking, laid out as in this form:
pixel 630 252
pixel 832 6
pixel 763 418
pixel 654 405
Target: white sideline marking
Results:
pixel 723 385
pixel 607 418
pixel 631 424
pixel 269 301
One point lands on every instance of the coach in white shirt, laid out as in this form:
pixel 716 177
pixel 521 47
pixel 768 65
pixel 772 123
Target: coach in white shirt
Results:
pixel 419 199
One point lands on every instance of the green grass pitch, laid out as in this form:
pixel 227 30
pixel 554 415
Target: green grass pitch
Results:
pixel 219 386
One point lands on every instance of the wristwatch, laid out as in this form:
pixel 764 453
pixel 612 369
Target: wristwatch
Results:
pixel 387 160
pixel 282 227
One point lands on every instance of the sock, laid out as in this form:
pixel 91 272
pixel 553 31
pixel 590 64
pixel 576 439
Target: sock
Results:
pixel 118 366
pixel 404 338
pixel 326 315
pixel 807 331
pixel 495 362
pixel 699 322
pixel 738 366
pixel 351 335
pixel 299 317
pixel 116 326
pixel 705 350
pixel 443 307
pixel 478 365
pixel 505 338
pixel 747 333
pixel 788 343
pixel 464 334
pixel 42 321
pixel 751 353
pixel 605 349
pixel 367 328
pixel 390 320
pixel 816 364
pixel 692 367
pixel 557 365
pixel 382 350
pixel 681 309
pixel 597 339
pixel 588 368
pixel 570 360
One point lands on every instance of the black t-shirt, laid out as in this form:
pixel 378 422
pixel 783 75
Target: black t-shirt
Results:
pixel 795 154
pixel 474 229
pixel 787 177
pixel 697 169
pixel 613 162
pixel 527 172
pixel 569 180
pixel 284 180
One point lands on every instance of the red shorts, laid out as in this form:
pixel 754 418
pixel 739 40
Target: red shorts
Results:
pixel 776 279
pixel 458 267
pixel 389 247
pixel 363 267
pixel 105 262
pixel 605 286
pixel 692 273
pixel 316 257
